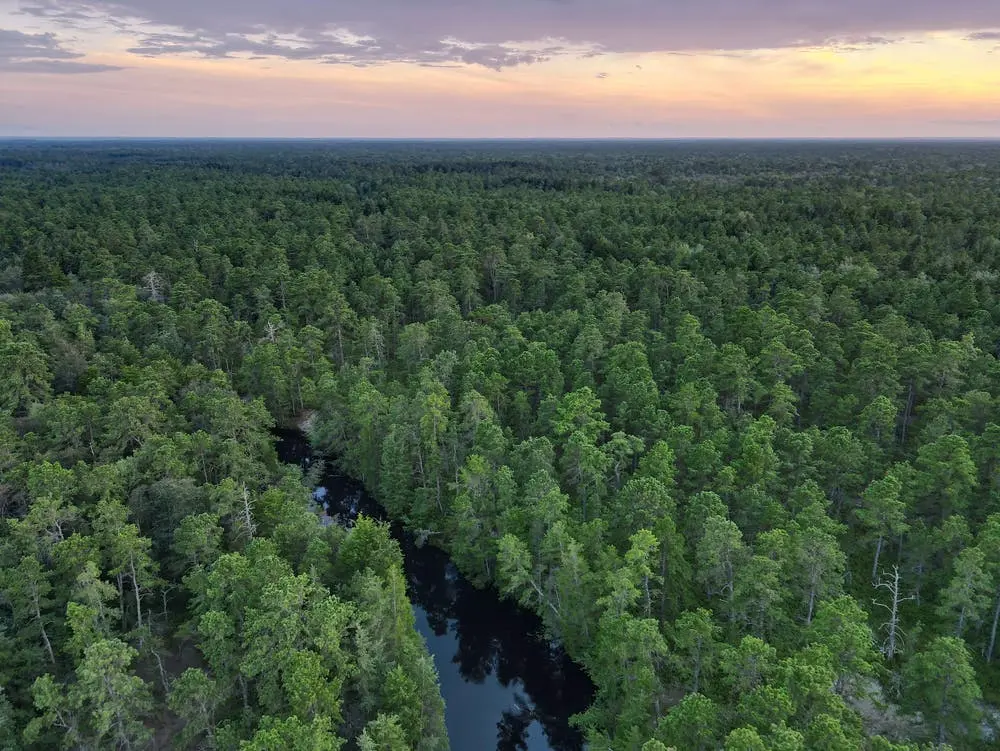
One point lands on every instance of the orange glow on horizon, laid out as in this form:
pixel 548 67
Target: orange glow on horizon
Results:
pixel 908 88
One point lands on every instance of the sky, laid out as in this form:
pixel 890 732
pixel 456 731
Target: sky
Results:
pixel 500 68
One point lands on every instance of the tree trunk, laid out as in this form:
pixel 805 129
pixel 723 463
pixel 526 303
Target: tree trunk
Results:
pixel 943 712
pixel 41 626
pixel 993 630
pixel 649 597
pixel 135 587
pixel 663 583
pixel 164 678
pixel 120 580
pixel 891 585
pixel 697 670
pixel 420 466
pixel 123 739
pixel 543 597
pixel 906 413
pixel 878 553
pixel 247 513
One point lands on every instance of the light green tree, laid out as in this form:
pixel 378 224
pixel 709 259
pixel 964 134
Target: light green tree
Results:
pixel 940 683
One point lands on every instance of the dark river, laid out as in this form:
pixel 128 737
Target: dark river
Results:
pixel 504 684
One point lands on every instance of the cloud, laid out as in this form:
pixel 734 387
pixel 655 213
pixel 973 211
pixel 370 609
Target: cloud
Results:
pixel 862 42
pixel 16 45
pixel 503 34
pixel 984 36
pixel 55 66
pixel 41 53
pixel 337 48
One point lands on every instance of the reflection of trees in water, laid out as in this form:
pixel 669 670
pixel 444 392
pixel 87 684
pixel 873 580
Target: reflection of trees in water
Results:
pixel 428 586
pixel 492 636
pixel 512 730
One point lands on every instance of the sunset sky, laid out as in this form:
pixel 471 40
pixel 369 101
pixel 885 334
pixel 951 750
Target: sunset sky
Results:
pixel 504 68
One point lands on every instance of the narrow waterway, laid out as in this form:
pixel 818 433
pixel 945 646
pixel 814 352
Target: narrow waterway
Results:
pixel 504 684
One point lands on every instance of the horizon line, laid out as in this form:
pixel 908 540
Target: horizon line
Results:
pixel 513 139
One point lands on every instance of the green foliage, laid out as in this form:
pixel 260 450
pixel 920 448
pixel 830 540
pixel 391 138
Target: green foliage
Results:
pixel 692 724
pixel 726 417
pixel 841 627
pixel 384 733
pixel 105 705
pixel 294 734
pixel 941 684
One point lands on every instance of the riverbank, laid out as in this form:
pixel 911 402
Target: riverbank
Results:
pixel 505 684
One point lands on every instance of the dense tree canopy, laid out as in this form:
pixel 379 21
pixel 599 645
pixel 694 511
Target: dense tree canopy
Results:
pixel 727 417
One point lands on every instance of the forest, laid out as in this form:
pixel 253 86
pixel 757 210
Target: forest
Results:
pixel 725 416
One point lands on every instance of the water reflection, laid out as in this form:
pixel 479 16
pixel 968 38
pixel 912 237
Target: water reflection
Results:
pixel 505 685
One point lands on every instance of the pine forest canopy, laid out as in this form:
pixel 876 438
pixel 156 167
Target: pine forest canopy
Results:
pixel 726 416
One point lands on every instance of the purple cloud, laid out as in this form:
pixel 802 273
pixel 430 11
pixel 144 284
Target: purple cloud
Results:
pixel 41 53
pixel 984 36
pixel 503 34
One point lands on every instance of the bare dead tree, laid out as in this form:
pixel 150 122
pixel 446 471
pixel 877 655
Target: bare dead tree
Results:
pixel 894 634
pixel 154 286
pixel 246 514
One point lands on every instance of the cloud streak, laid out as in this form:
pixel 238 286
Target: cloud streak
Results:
pixel 41 53
pixel 984 36
pixel 338 48
pixel 505 34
